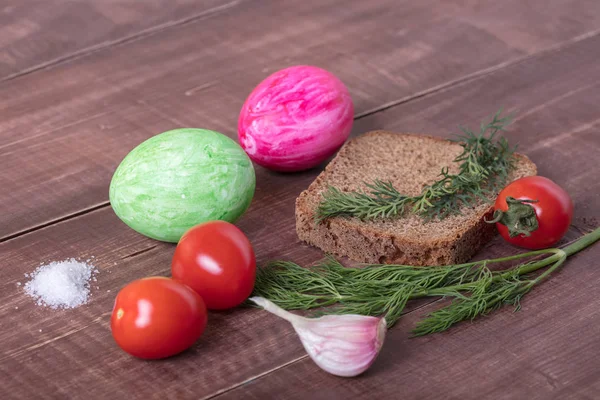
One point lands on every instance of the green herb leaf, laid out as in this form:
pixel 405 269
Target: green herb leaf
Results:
pixel 484 167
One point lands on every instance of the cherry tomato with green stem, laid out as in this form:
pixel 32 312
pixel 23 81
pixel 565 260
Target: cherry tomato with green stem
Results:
pixel 533 212
pixel 157 317
pixel 216 259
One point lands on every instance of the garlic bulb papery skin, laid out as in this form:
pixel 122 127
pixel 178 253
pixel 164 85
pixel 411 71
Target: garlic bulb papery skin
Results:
pixel 343 345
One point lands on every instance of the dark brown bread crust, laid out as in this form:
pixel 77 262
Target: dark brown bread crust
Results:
pixel 406 240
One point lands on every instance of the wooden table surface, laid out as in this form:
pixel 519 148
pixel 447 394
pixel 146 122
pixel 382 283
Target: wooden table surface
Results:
pixel 82 82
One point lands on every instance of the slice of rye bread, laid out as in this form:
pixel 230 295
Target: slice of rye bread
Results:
pixel 409 161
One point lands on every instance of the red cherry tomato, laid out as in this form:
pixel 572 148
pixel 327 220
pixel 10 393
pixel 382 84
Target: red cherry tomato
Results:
pixel 553 211
pixel 216 259
pixel 157 317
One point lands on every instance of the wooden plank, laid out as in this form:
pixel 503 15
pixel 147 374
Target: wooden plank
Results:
pixel 199 73
pixel 74 354
pixel 39 33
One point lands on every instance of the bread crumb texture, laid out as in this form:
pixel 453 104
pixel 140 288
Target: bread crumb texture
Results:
pixel 409 161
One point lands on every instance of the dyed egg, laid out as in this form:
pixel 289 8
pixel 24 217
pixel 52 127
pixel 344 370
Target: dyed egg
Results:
pixel 295 119
pixel 181 178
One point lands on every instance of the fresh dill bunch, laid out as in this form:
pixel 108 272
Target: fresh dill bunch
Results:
pixel 486 298
pixel 384 290
pixel 373 290
pixel 484 166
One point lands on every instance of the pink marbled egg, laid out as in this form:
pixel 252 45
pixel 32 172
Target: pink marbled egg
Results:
pixel 295 119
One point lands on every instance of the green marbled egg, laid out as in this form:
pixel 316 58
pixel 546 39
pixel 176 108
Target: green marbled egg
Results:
pixel 179 179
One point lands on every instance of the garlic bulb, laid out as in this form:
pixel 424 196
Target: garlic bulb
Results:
pixel 343 345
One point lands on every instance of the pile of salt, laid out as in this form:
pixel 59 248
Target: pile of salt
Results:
pixel 62 284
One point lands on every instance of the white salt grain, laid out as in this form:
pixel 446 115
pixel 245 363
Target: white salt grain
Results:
pixel 62 284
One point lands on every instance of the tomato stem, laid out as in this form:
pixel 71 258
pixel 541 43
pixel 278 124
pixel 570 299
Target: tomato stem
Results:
pixel 519 218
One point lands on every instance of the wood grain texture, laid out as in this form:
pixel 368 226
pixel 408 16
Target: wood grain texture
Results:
pixel 38 33
pixel 82 117
pixel 63 130
pixel 546 351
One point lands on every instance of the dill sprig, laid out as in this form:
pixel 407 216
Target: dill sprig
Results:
pixel 488 295
pixel 374 290
pixel 484 166
pixel 384 290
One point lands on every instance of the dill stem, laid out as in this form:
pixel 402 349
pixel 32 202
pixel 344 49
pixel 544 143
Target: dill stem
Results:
pixel 583 242
pixel 509 258
pixel 522 270
pixel 557 258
